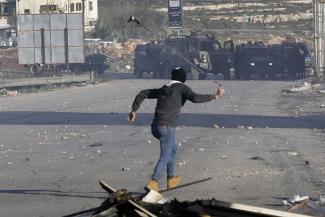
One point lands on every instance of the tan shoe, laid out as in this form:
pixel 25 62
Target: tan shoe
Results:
pixel 153 184
pixel 172 182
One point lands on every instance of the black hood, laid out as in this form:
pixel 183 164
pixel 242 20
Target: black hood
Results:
pixel 179 74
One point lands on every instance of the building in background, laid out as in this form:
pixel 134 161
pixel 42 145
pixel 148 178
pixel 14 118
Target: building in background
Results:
pixel 61 6
pixel 7 23
pixel 7 12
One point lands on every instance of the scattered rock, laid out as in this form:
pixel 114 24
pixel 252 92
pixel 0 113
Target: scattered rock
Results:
pixel 96 144
pixel 304 87
pixel 295 199
pixel 292 153
pixel 3 91
pixel 182 163
pixel 72 134
pixel 12 93
pixel 257 158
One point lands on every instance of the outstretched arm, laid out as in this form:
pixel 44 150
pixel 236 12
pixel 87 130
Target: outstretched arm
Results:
pixel 144 94
pixel 200 98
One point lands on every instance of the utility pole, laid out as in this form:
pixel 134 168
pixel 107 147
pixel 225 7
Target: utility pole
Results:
pixel 83 13
pixel 319 36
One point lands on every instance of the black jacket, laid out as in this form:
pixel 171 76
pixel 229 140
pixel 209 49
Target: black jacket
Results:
pixel 170 99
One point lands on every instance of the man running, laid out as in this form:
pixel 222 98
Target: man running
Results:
pixel 170 99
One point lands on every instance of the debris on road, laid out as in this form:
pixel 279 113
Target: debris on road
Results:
pixel 306 205
pixel 5 92
pixel 200 149
pixel 257 158
pixel 96 144
pixel 295 199
pixel 305 86
pixel 73 135
pixel 154 204
pixel 183 163
pixel 12 93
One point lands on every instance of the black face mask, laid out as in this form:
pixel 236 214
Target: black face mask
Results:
pixel 179 74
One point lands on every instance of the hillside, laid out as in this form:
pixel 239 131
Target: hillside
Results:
pixel 276 18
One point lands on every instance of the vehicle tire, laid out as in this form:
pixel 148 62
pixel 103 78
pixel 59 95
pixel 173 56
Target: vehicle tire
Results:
pixel 226 75
pixel 237 74
pixel 138 74
pixel 155 74
pixel 202 76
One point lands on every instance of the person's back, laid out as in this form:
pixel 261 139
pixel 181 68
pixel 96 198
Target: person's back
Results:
pixel 170 99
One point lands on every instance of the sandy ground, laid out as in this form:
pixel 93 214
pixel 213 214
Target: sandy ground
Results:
pixel 55 146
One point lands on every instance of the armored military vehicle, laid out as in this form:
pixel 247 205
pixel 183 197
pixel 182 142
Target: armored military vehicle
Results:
pixel 198 55
pixel 147 59
pixel 278 61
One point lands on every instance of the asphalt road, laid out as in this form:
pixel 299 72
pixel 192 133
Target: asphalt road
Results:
pixel 55 146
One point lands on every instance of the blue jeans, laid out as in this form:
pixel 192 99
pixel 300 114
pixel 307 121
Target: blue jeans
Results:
pixel 166 136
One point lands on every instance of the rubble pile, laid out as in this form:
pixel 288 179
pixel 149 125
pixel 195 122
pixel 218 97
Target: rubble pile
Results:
pixel 154 204
pixel 119 54
pixel 306 205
